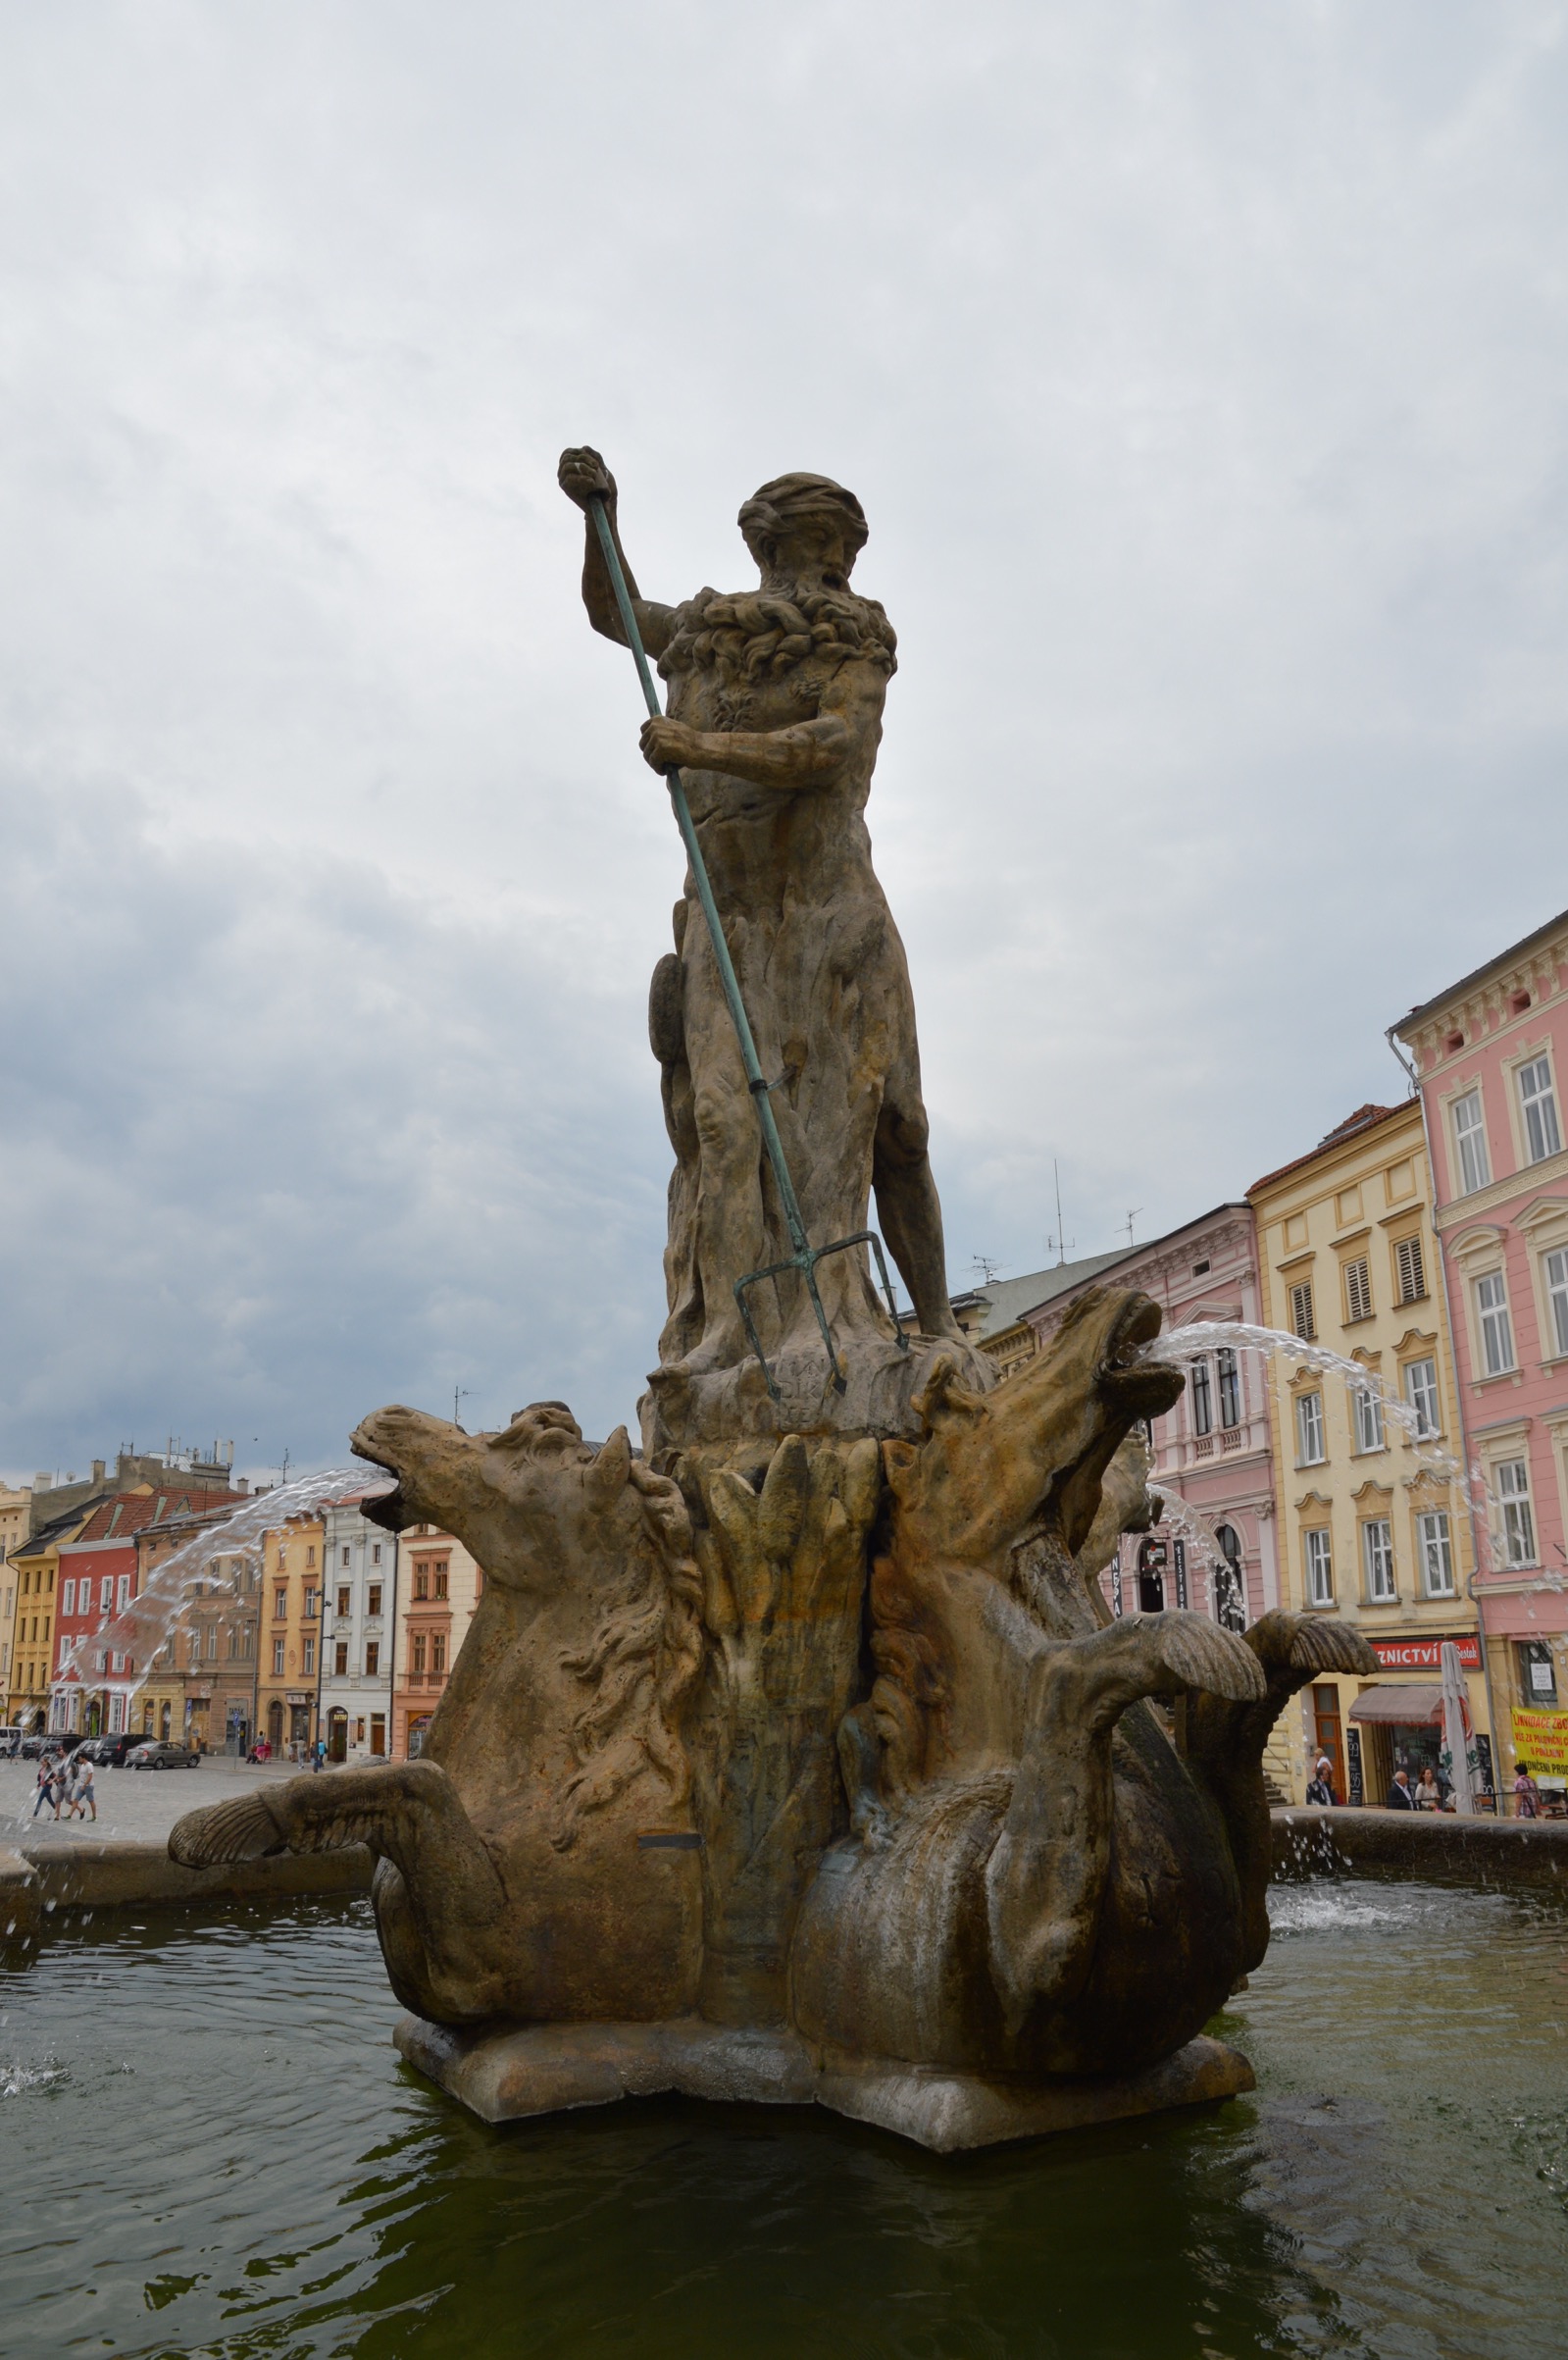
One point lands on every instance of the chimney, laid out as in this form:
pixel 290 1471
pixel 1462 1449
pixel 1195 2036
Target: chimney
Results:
pixel 243 1487
pixel 97 1471
pixel 41 1480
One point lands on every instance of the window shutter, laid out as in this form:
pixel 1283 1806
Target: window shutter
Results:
pixel 1412 1274
pixel 1357 1291
pixel 1301 1319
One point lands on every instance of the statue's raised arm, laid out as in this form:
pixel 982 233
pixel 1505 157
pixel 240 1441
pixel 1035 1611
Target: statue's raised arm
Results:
pixel 583 476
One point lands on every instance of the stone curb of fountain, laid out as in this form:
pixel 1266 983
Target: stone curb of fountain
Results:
pixel 37 1879
pixel 1434 1845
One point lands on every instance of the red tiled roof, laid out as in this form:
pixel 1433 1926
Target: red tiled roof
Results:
pixel 1363 1119
pixel 128 1513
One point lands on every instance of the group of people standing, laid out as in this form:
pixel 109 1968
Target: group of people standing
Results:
pixel 1429 1792
pixel 65 1782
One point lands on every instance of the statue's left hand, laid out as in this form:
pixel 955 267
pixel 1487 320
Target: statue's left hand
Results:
pixel 671 745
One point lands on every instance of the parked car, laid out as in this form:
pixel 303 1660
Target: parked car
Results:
pixel 110 1752
pixel 10 1742
pixel 48 1741
pixel 159 1753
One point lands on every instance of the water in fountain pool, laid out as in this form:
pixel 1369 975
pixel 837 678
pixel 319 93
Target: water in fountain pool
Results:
pixel 208 2147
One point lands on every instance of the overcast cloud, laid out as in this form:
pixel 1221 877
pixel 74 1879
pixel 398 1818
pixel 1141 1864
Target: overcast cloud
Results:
pixel 1201 369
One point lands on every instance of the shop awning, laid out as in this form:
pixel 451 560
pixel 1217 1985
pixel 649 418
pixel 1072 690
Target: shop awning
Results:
pixel 1413 1704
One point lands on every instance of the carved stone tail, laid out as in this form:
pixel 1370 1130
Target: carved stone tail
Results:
pixel 1224 1743
pixel 1046 1875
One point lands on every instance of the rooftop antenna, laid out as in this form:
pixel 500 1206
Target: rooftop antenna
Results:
pixel 987 1264
pixel 460 1394
pixel 1131 1218
pixel 1061 1241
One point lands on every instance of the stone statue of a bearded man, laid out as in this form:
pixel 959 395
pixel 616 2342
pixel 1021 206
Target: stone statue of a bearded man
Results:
pixel 775 715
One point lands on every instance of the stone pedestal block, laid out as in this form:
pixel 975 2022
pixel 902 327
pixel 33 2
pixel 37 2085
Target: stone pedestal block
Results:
pixel 549 2069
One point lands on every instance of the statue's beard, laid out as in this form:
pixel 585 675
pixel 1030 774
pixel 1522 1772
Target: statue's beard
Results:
pixel 759 634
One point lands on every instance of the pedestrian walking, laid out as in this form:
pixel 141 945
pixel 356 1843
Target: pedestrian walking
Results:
pixel 1400 1797
pixel 1429 1794
pixel 1320 1787
pixel 1525 1794
pixel 47 1784
pixel 83 1800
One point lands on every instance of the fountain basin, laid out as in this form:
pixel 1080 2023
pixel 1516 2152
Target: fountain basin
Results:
pixel 208 2146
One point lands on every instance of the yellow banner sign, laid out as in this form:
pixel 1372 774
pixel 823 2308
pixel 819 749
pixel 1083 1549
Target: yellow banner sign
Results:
pixel 1542 1741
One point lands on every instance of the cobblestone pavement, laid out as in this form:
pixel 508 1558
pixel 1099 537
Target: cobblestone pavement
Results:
pixel 139 1804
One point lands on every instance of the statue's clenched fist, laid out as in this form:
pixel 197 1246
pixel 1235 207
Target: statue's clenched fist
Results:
pixel 582 475
pixel 671 745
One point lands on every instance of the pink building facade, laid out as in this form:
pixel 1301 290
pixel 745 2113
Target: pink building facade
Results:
pixel 1212 1450
pixel 1491 1057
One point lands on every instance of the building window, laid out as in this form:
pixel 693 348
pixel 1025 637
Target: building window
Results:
pixel 375 1553
pixel 438 1650
pixel 1202 1399
pixel 281 1560
pixel 421 1650
pixel 1538 1676
pixel 440 1578
pixel 1470 1136
pixel 1421 1392
pixel 1518 1523
pixel 340 1660
pixel 278 1658
pixel 1229 1387
pixel 309 1655
pixel 280 1603
pixel 68 1599
pixel 1556 1268
pixel 106 1594
pixel 372 1658
pixel 1376 1558
pixel 1537 1104
pixel 372 1598
pixel 342 1599
pixel 422 1581
pixel 1357 1290
pixel 1319 1568
pixel 1302 1320
pixel 1309 1451
pixel 1436 1554
pixel 122 1593
pixel 310 1559
pixel 346 1553
pixel 1368 1418
pixel 1412 1276
pixel 313 1599
pixel 1497 1329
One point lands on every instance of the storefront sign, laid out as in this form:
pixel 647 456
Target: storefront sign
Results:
pixel 298 1696
pixel 1542 1741
pixel 1352 1749
pixel 1426 1655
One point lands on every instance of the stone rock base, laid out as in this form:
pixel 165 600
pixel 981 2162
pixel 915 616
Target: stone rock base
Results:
pixel 546 2069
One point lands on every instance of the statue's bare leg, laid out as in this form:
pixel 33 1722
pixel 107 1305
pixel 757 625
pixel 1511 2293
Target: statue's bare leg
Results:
pixel 1225 1744
pixel 1047 1877
pixel 910 1211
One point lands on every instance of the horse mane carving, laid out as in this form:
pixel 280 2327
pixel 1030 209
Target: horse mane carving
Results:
pixel 640 1663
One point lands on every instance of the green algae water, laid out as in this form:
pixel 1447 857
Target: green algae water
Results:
pixel 208 2146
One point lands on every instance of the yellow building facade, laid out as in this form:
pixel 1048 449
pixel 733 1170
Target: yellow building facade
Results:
pixel 15 1505
pixel 289 1636
pixel 1373 1528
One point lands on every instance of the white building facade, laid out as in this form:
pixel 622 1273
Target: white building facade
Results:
pixel 360 1563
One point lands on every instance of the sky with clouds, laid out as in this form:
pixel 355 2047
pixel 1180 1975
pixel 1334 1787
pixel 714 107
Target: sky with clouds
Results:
pixel 1201 366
